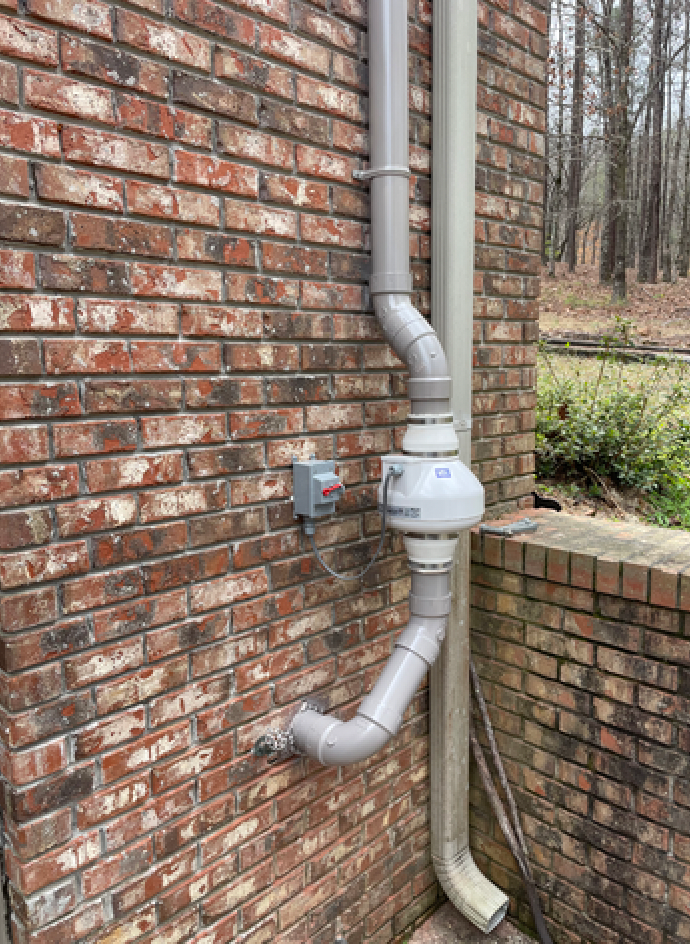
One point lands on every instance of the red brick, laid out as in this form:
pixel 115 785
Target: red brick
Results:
pixel 86 357
pixel 256 73
pixel 102 149
pixel 9 82
pixel 221 322
pixel 165 356
pixel 25 41
pixel 14 176
pixel 162 121
pixel 114 66
pixel 16 267
pixel 83 517
pixel 155 37
pixel 260 219
pixel 228 589
pixel 167 203
pixel 66 185
pixel 92 17
pixel 171 282
pixel 23 444
pixel 215 174
pixel 126 317
pixel 58 94
pixel 293 49
pixel 29 133
pixel 120 236
pixel 182 501
pixel 147 683
pixel 216 19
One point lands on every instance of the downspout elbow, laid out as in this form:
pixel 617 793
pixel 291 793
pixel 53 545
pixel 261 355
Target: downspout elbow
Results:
pixel 470 891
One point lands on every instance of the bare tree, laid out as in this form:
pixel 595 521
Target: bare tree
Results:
pixel 576 135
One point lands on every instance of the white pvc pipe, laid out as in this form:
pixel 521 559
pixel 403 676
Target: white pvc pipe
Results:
pixel 452 259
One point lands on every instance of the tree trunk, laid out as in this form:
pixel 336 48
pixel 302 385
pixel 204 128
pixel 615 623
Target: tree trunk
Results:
pixel 684 248
pixel 576 134
pixel 643 175
pixel 622 149
pixel 545 196
pixel 608 232
pixel 649 249
pixel 673 192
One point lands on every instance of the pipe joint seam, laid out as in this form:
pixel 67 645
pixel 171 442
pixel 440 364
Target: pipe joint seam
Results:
pixel 423 638
pixel 429 388
pixel 430 606
pixel 385 283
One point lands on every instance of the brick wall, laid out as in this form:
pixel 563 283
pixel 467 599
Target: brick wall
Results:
pixel 508 212
pixel 183 271
pixel 581 633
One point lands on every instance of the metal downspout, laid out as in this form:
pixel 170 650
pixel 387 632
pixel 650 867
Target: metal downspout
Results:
pixel 452 258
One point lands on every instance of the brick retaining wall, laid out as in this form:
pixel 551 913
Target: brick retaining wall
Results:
pixel 183 308
pixel 581 633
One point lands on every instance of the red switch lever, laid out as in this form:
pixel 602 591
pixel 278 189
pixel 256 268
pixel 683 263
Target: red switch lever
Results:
pixel 333 488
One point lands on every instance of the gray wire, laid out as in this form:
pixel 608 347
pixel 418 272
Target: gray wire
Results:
pixel 358 576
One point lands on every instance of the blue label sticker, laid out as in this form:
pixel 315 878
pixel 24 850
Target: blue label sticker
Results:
pixel 442 473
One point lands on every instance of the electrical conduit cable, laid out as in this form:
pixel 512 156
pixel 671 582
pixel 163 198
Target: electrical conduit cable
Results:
pixel 391 471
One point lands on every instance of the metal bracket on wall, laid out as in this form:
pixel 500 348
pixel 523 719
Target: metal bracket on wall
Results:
pixel 523 526
pixel 280 745
pixel 390 170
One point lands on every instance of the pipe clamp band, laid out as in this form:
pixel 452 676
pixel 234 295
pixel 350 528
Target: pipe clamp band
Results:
pixel 425 568
pixel 446 454
pixel 388 170
pixel 418 420
pixel 395 283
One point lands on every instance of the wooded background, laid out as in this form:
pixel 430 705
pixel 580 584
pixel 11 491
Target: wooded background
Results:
pixel 617 189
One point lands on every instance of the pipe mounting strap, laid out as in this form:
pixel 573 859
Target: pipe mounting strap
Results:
pixel 389 170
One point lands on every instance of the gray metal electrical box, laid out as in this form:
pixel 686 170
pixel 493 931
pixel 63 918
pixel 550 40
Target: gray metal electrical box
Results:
pixel 315 488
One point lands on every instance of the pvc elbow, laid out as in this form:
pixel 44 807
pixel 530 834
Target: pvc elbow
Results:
pixel 472 893
pixel 334 742
pixel 411 336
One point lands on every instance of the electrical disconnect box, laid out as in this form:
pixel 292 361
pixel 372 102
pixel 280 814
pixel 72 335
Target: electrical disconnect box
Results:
pixel 315 490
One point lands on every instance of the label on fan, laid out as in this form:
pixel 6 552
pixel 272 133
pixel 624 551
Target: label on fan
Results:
pixel 442 473
pixel 400 511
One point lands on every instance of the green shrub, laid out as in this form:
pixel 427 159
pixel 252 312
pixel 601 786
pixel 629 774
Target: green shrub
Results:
pixel 630 425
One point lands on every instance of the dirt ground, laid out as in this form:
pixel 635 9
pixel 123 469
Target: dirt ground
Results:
pixel 576 303
pixel 610 502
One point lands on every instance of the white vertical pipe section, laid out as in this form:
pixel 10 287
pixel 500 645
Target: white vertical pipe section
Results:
pixel 452 261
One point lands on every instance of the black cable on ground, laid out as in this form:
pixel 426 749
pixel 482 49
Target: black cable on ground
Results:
pixel 512 831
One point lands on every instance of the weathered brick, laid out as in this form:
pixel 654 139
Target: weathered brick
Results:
pixel 120 236
pixel 114 66
pixel 67 97
pixel 14 176
pixel 66 185
pixel 103 149
pixel 25 41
